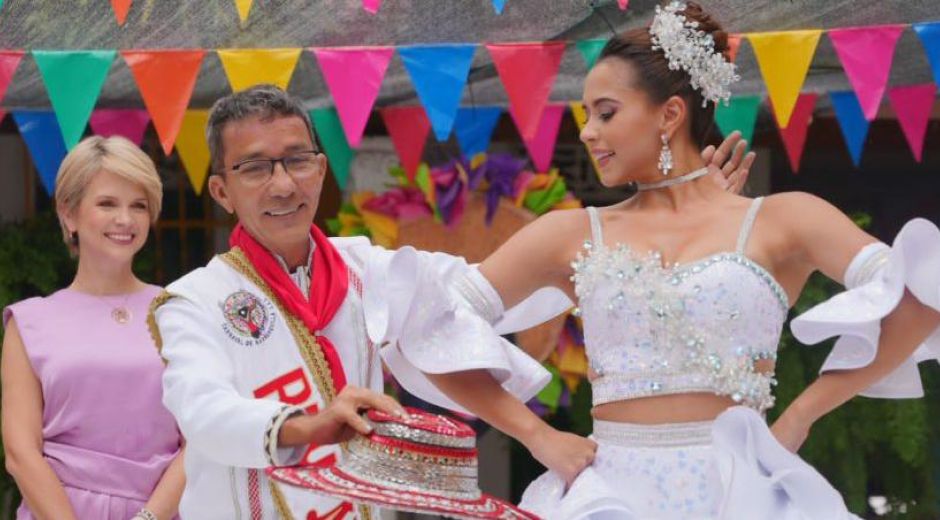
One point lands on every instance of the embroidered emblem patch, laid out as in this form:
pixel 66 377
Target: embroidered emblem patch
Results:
pixel 249 320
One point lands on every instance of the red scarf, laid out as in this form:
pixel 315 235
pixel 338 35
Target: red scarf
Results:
pixel 328 286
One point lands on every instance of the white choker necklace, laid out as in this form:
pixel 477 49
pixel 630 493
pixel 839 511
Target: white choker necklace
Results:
pixel 689 177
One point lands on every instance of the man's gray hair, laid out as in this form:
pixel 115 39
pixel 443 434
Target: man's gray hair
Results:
pixel 264 101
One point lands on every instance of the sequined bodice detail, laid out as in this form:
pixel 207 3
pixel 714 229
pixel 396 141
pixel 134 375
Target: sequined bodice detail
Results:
pixel 651 329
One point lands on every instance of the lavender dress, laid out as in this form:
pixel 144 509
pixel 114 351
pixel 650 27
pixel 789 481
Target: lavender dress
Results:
pixel 105 431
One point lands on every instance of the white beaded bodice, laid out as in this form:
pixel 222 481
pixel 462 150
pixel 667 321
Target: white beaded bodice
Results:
pixel 651 329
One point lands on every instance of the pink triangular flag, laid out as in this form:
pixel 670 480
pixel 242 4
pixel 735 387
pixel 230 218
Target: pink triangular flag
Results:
pixel 913 105
pixel 372 6
pixel 794 135
pixel 9 61
pixel 128 123
pixel 354 76
pixel 622 4
pixel 408 127
pixel 528 72
pixel 866 54
pixel 541 147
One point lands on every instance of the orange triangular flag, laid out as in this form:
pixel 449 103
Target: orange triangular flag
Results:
pixel 121 7
pixel 165 80
pixel 734 44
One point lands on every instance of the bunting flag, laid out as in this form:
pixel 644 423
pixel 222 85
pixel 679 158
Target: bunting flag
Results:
pixel 73 80
pixel 474 128
pixel 408 127
pixel 866 54
pixel 527 71
pixel 40 131
pixel 371 6
pixel 330 131
pixel 127 123
pixel 9 61
pixel 734 45
pixel 499 5
pixel 580 119
pixel 439 73
pixel 852 122
pixel 740 114
pixel 590 50
pixel 913 105
pixel 166 80
pixel 247 67
pixel 929 34
pixel 784 58
pixel 354 76
pixel 541 146
pixel 794 135
pixel 121 8
pixel 244 8
pixel 192 147
pixel 623 4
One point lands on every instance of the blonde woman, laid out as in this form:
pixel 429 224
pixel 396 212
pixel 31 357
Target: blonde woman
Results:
pixel 84 430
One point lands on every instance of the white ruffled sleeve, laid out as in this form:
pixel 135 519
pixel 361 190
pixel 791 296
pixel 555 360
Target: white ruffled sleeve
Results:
pixel 876 280
pixel 430 314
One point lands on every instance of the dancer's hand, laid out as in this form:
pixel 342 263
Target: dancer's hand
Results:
pixel 728 163
pixel 564 453
pixel 339 421
pixel 790 432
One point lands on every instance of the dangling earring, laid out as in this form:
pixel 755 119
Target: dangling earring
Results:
pixel 74 238
pixel 665 157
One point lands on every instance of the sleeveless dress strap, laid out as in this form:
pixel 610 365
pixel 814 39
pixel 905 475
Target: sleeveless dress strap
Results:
pixel 748 224
pixel 597 236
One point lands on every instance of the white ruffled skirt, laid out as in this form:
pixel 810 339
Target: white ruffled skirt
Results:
pixel 731 468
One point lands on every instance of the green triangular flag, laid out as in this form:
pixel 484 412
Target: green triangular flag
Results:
pixel 330 130
pixel 590 50
pixel 740 115
pixel 73 80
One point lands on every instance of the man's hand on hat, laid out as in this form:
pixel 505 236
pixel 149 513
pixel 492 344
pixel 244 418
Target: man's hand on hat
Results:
pixel 338 422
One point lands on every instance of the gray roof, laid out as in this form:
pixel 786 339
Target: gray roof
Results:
pixel 210 24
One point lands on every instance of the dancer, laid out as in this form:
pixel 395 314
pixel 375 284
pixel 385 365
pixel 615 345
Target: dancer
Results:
pixel 684 289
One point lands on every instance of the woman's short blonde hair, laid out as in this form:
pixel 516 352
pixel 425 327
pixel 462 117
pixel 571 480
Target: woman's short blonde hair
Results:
pixel 113 154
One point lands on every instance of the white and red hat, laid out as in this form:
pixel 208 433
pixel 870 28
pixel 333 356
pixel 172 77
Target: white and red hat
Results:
pixel 422 463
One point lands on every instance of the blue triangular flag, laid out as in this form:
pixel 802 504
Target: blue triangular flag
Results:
pixel 852 121
pixel 43 137
pixel 439 73
pixel 474 128
pixel 499 5
pixel 929 34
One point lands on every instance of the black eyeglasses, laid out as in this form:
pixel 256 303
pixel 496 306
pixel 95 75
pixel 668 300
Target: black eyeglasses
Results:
pixel 300 165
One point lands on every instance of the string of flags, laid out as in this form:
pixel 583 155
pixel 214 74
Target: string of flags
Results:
pixel 439 72
pixel 121 8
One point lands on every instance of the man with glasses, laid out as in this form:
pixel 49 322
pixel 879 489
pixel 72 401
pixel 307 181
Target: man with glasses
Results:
pixel 271 348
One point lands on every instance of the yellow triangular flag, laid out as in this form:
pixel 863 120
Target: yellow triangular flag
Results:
pixel 784 59
pixel 247 67
pixel 244 7
pixel 192 147
pixel 580 119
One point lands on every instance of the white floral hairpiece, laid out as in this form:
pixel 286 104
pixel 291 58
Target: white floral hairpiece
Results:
pixel 692 50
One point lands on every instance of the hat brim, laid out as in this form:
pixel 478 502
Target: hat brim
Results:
pixel 334 482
